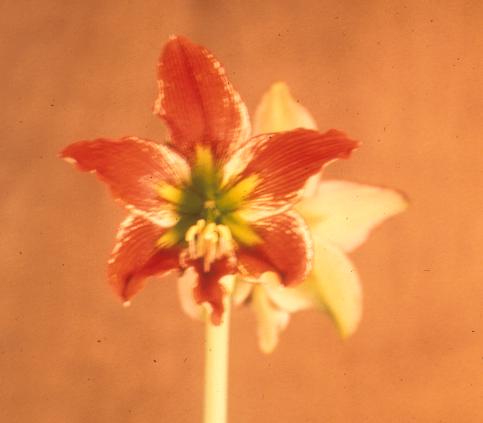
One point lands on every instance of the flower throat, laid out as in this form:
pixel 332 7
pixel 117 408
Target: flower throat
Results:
pixel 209 210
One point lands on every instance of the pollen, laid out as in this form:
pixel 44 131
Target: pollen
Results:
pixel 209 241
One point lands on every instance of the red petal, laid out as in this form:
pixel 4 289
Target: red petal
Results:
pixel 132 168
pixel 209 289
pixel 284 161
pixel 286 249
pixel 197 101
pixel 136 256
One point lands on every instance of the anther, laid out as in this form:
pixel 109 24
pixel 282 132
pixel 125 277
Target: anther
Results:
pixel 190 238
pixel 225 244
pixel 203 237
pixel 211 240
pixel 208 241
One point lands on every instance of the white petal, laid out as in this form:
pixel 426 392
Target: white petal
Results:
pixel 289 299
pixel 241 291
pixel 336 283
pixel 271 320
pixel 278 111
pixel 186 284
pixel 344 213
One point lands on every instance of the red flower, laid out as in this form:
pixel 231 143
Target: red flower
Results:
pixel 211 198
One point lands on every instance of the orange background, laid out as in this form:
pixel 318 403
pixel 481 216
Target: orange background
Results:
pixel 403 77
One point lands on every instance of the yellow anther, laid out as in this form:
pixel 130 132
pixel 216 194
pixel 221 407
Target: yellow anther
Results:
pixel 210 252
pixel 210 228
pixel 225 244
pixel 208 241
pixel 191 233
pixel 224 232
pixel 190 238
pixel 203 237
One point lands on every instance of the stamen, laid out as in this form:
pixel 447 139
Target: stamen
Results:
pixel 203 237
pixel 208 241
pixel 225 244
pixel 211 240
pixel 190 238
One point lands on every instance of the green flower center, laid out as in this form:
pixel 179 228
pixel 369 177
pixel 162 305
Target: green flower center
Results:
pixel 209 210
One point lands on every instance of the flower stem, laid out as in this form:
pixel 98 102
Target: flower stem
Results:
pixel 216 369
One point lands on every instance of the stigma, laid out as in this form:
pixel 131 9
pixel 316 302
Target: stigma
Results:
pixel 209 241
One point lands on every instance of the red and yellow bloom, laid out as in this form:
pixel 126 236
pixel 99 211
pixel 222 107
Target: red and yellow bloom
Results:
pixel 211 199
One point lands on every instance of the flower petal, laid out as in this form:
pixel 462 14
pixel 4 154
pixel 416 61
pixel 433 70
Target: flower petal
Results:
pixel 242 291
pixel 136 256
pixel 133 168
pixel 282 163
pixel 198 102
pixel 288 298
pixel 278 111
pixel 210 288
pixel 186 284
pixel 286 249
pixel 270 319
pixel 344 213
pixel 335 282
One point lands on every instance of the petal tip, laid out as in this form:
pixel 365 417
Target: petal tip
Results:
pixel 216 317
pixel 352 145
pixel 65 153
pixel 71 152
pixel 69 160
pixel 279 111
pixel 280 87
pixel 405 199
pixel 267 348
pixel 346 330
pixel 177 39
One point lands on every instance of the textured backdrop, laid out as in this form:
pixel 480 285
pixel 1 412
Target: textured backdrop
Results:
pixel 403 77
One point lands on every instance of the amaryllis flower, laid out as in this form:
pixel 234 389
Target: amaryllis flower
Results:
pixel 340 216
pixel 211 199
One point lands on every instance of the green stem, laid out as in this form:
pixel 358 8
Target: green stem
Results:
pixel 216 369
